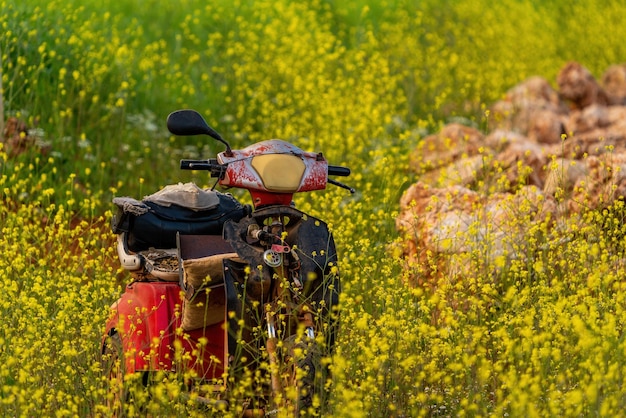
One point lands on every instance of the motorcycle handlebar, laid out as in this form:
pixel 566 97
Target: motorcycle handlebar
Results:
pixel 217 170
pixel 214 167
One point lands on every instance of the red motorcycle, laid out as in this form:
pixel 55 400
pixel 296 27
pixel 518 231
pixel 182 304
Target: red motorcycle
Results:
pixel 224 293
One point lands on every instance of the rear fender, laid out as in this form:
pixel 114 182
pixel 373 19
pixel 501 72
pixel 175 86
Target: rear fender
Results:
pixel 146 316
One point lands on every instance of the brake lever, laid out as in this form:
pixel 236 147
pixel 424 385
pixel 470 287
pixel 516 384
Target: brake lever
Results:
pixel 343 186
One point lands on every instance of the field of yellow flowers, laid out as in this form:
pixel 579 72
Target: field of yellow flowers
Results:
pixel 360 80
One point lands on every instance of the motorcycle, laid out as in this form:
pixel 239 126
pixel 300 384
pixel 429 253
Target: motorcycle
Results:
pixel 224 294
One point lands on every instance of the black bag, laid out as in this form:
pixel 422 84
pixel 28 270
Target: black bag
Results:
pixel 158 225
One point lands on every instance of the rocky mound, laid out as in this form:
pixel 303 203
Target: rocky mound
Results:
pixel 548 153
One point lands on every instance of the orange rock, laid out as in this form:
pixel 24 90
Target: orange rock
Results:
pixel 603 183
pixel 455 223
pixel 614 83
pixel 519 110
pixel 578 86
pixel 453 142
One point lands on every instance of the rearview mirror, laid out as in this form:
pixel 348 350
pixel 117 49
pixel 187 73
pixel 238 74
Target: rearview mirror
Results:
pixel 189 122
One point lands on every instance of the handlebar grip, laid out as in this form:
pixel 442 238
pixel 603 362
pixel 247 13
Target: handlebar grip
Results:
pixel 206 165
pixel 336 170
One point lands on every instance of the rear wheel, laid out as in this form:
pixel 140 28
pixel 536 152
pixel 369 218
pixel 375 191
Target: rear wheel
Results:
pixel 124 391
pixel 113 368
